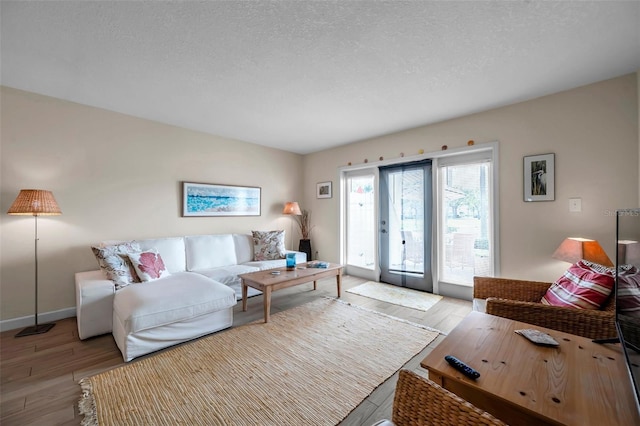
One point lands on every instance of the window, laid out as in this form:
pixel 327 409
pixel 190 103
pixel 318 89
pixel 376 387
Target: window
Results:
pixel 361 231
pixel 465 224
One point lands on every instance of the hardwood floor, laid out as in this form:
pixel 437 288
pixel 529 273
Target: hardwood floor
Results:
pixel 39 374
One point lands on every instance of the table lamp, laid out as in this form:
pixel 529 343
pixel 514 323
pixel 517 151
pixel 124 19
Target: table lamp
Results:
pixel 36 202
pixel 573 249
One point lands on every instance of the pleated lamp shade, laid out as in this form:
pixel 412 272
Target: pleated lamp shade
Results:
pixel 292 207
pixel 574 249
pixel 36 202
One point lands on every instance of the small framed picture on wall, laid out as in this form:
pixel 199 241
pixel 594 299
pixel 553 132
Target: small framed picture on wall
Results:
pixel 539 177
pixel 323 190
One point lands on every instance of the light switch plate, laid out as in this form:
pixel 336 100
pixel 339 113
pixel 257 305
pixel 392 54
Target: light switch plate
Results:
pixel 575 205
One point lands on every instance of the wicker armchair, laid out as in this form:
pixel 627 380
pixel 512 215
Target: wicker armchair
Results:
pixel 519 300
pixel 419 401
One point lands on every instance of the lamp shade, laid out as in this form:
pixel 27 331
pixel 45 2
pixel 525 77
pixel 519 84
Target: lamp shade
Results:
pixel 574 249
pixel 292 207
pixel 36 202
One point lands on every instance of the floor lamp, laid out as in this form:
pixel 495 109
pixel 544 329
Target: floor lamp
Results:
pixel 293 209
pixel 35 202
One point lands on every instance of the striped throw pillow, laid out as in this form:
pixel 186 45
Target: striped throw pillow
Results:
pixel 585 285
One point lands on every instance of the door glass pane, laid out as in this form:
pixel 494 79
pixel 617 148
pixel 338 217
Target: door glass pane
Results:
pixel 361 231
pixel 466 226
pixel 406 220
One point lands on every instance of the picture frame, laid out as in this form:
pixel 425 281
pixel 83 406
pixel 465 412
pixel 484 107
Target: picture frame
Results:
pixel 539 177
pixel 204 199
pixel 323 190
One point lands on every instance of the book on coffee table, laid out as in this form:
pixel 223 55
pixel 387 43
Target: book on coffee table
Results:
pixel 538 337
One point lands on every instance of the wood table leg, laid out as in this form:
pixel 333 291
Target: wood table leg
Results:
pixel 315 285
pixel 244 296
pixel 267 303
pixel 338 279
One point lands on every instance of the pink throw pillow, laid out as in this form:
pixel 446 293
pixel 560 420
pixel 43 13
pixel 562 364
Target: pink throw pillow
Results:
pixel 149 265
pixel 585 285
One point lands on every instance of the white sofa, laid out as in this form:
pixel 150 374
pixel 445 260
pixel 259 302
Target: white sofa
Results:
pixel 197 298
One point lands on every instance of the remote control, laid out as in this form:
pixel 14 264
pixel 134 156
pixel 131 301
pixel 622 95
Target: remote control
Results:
pixel 462 367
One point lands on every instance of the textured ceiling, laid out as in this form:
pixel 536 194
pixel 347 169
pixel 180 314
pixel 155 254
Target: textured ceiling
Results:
pixel 304 76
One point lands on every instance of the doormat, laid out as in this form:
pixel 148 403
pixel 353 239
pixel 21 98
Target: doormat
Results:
pixel 408 298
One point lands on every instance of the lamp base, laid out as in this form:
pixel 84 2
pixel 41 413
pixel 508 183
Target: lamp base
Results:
pixel 36 329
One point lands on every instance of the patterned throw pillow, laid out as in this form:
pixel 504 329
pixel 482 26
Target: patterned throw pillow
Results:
pixel 268 245
pixel 114 261
pixel 149 265
pixel 629 290
pixel 585 285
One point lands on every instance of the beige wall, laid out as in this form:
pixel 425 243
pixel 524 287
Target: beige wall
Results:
pixel 118 177
pixel 114 177
pixel 592 130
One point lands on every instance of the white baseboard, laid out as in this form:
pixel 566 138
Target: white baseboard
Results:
pixel 44 317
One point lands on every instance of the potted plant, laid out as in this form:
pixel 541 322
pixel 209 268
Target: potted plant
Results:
pixel 304 222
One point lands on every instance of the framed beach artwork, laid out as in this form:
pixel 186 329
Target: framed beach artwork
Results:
pixel 539 177
pixel 203 199
pixel 323 190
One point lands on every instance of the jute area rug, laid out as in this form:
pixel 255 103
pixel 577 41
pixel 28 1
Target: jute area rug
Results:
pixel 396 295
pixel 310 365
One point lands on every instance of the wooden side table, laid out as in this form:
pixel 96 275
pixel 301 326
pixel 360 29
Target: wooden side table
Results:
pixel 577 383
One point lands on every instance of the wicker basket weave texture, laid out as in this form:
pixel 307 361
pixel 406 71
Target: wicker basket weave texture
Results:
pixel 35 202
pixel 419 401
pixel 519 300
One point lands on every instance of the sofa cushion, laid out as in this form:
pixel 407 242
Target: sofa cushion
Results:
pixel 267 264
pixel 268 245
pixel 183 295
pixel 585 285
pixel 229 276
pixel 149 265
pixel 115 263
pixel 244 248
pixel 210 251
pixel 171 249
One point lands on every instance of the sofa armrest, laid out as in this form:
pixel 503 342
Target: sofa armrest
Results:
pixel 593 324
pixel 505 288
pixel 94 303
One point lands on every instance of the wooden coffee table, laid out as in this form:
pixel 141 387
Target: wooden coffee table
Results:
pixel 578 383
pixel 267 282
